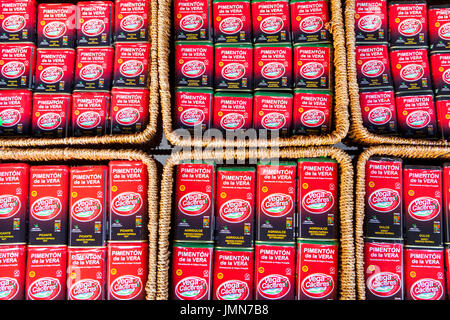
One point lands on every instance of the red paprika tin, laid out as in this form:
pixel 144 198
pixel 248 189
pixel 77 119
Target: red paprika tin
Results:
pixel 89 113
pixel 86 273
pixel 309 21
pixel 14 182
pixel 194 201
pixel 439 27
pixel 12 271
pixel 131 65
pixel 193 108
pixel 271 21
pixel 383 216
pixel 15 112
pixel 51 115
pixel 17 65
pixel 443 116
pixel 410 70
pixel 371 21
pixel 235 203
pixel 95 23
pixel 192 20
pixel 446 201
pixel 274 271
pixel 447 266
pixel 232 21
pixel 424 273
pixel 408 23
pixel 378 111
pixel 49 202
pixel 273 66
pixel 194 64
pixel 383 269
pixel 313 66
pixel 56 27
pixel 132 19
pixel 129 110
pixel 233 66
pixel 94 68
pixel 88 206
pixel 440 71
pixel 312 112
pixel 273 111
pixel 233 274
pixel 372 66
pixel 18 21
pixel 54 70
pixel 233 111
pixel 46 273
pixel 317 270
pixel 422 194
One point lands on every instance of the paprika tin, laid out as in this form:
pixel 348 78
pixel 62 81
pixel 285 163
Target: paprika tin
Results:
pixel 273 66
pixel 371 21
pixel 193 108
pixel 439 27
pixel 410 70
pixel 424 273
pixel 18 21
pixel 273 111
pixel 194 202
pixel 194 64
pixel 233 273
pixel 127 270
pixel 317 198
pixel 422 194
pixel 378 110
pixel 12 271
pixel 274 271
pixel 408 23
pixel 51 115
pixel 317 270
pixel 89 113
pixel 383 269
pixel 447 266
pixel 372 66
pixel 235 203
pixel 95 23
pixel 131 65
pixel 232 21
pixel 233 66
pixel 443 116
pixel 49 201
pixel 88 206
pixel 129 110
pixel 86 273
pixel 54 70
pixel 132 20
pixel 94 68
pixel 56 27
pixel 17 65
pixel 312 112
pixel 440 70
pixel 383 198
pixel 128 213
pixel 233 111
pixel 192 20
pixel 416 114
pixel 313 66
pixel 275 201
pixel 46 273
pixel 271 21
pixel 15 112
pixel 446 201
pixel 309 19
pixel 14 182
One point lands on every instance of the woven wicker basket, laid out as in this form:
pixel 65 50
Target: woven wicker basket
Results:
pixel 358 132
pixel 346 248
pixel 122 139
pixel 340 115
pixel 409 152
pixel 40 155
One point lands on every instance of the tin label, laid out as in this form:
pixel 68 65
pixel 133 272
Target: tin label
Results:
pixel 18 21
pixel 12 272
pixel 312 112
pixel 372 66
pixel 56 25
pixel 309 19
pixel 129 110
pixel 94 67
pixel 131 65
pixel 50 116
pixel 94 23
pixel 233 67
pixel 273 67
pixel 410 70
pixel 233 111
pixel 194 65
pixel 273 112
pixel 378 111
pixel 192 20
pixel 371 21
pixel 312 69
pixel 89 112
pixel 232 21
pixel 271 21
pixel 416 115
pixel 15 112
pixel 132 20
pixel 408 24
pixel 17 69
pixel 439 28
pixel 193 109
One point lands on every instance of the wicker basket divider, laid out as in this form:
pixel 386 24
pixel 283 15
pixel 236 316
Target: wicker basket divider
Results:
pixel 40 155
pixel 346 274
pixel 410 152
pixel 341 101
pixel 122 139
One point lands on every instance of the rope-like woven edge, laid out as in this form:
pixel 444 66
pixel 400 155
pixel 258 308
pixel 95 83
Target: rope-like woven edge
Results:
pixel 33 155
pixel 341 113
pixel 136 138
pixel 411 152
pixel 358 132
pixel 346 253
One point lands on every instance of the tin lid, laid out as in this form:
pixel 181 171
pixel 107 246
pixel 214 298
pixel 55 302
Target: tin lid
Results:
pixel 371 43
pixel 376 89
pixel 277 44
pixel 416 93
pixel 274 243
pixel 195 43
pixel 424 248
pixel 236 169
pixel 407 2
pixel 421 167
pixel 383 240
pixel 294 1
pixel 240 249
pixel 403 48
pixel 439 6
pixel 313 45
pixel 72 50
pixel 195 90
pixel 273 94
pixel 433 53
pixel 193 244
pixel 230 94
pixel 326 242
pixel 442 97
pixel 278 163
pixel 320 91
pixel 198 161
pixel 234 45
pixel 270 1
pixel 319 159
pixel 385 159
pixel 109 48
pixel 214 1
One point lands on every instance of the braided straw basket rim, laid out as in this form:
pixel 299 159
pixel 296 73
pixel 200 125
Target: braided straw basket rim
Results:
pixel 341 114
pixel 411 152
pixel 346 249
pixel 34 155
pixel 123 139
